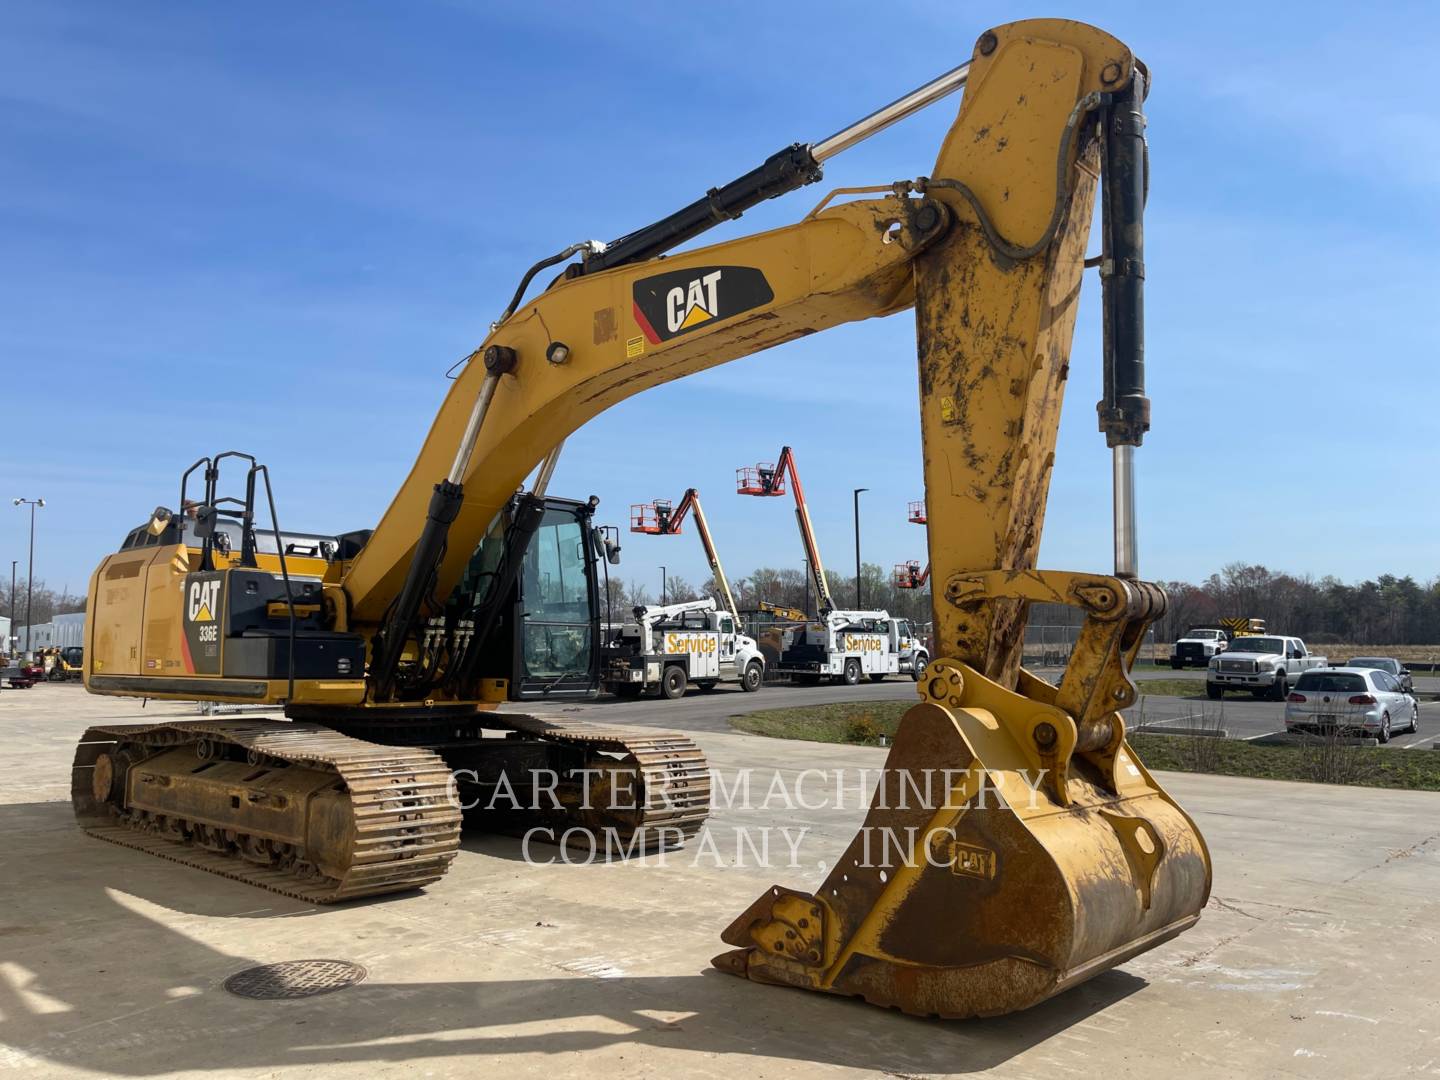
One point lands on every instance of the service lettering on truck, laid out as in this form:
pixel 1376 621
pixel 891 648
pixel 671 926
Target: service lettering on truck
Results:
pixel 690 643
pixel 856 643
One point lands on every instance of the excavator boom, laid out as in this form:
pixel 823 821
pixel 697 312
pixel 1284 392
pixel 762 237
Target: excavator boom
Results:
pixel 1016 845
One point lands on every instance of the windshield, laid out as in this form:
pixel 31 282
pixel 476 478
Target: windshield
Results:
pixel 1257 645
pixel 1392 666
pixel 1321 682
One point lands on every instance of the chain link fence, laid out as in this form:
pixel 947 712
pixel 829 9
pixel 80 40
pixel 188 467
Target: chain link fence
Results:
pixel 1050 646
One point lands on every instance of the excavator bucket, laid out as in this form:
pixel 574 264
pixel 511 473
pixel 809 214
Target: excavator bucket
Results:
pixel 1014 847
pixel 969 891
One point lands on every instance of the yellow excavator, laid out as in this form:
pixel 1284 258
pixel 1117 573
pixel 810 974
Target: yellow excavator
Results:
pixel 1016 845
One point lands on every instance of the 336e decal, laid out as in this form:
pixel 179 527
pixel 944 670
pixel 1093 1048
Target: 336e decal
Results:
pixel 674 303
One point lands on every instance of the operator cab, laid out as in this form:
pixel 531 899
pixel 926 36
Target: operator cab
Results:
pixel 544 641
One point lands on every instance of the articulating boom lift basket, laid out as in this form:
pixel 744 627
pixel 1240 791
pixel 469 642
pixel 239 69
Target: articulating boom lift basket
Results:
pixel 759 479
pixel 652 518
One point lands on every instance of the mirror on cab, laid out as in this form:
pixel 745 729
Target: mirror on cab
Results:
pixel 608 543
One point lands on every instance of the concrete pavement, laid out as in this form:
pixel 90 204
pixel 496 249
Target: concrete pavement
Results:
pixel 1317 957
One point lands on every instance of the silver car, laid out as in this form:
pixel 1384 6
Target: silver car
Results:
pixel 1387 664
pixel 1363 701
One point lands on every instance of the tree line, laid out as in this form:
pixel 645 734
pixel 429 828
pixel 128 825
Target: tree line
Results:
pixel 785 587
pixel 1387 610
pixel 45 603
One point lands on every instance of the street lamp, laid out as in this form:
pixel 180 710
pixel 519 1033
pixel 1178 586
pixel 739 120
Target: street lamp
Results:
pixel 30 579
pixel 857 546
pixel 11 638
pixel 662 586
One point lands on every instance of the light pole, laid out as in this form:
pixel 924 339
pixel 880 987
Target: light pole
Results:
pixel 662 586
pixel 11 639
pixel 30 574
pixel 857 546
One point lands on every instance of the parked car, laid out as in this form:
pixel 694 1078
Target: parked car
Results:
pixel 1387 664
pixel 1198 645
pixel 1351 699
pixel 1262 665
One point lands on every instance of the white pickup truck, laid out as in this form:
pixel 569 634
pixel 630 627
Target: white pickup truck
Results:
pixel 1265 666
pixel 1198 645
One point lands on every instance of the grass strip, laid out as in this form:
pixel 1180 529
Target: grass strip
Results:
pixel 874 724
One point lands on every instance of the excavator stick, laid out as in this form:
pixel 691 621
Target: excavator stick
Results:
pixel 1015 845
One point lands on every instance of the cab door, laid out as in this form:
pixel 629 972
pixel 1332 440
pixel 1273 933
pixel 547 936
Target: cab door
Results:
pixel 726 624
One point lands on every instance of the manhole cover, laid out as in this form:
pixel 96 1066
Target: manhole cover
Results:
pixel 295 979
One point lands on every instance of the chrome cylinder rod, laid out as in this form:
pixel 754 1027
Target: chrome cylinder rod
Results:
pixel 897 110
pixel 472 430
pixel 547 470
pixel 1127 556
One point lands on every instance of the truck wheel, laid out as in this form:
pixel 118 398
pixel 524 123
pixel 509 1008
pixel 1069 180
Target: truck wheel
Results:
pixel 1213 692
pixel 917 669
pixel 673 682
pixel 852 672
pixel 753 677
pixel 877 676
pixel 1176 664
pixel 1281 689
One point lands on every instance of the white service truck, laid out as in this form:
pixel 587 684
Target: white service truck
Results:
pixel 1264 665
pixel 846 645
pixel 668 647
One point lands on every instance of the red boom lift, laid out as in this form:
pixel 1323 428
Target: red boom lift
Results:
pixel 769 480
pixel 662 518
pixel 908 575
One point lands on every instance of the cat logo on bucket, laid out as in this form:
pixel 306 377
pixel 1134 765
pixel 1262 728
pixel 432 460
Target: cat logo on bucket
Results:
pixel 201 605
pixel 674 303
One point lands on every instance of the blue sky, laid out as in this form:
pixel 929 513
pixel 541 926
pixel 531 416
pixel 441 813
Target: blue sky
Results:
pixel 273 227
